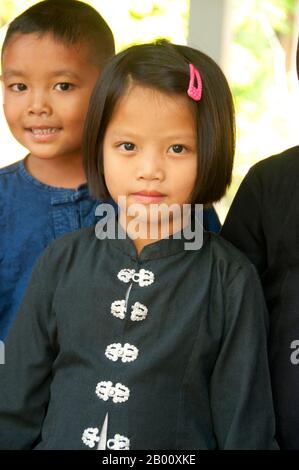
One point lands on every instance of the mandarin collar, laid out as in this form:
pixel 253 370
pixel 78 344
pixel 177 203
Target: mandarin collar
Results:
pixel 158 249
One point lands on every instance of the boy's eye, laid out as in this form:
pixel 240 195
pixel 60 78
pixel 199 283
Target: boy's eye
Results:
pixel 128 146
pixel 64 86
pixel 18 87
pixel 177 148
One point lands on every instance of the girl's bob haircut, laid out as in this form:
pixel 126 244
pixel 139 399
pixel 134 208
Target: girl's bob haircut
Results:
pixel 165 67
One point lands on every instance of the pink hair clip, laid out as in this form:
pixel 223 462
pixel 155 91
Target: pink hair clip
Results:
pixel 193 91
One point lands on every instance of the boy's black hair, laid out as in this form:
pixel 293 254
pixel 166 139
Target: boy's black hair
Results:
pixel 165 67
pixel 69 21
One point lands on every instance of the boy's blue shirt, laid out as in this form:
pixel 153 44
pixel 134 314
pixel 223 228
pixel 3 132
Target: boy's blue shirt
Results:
pixel 32 215
pixel 211 220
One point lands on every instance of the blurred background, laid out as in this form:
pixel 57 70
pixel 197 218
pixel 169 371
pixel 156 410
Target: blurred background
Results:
pixel 254 41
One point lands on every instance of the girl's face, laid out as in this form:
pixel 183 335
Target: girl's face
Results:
pixel 150 149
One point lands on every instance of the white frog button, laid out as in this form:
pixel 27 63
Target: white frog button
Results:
pixel 143 277
pixel 119 393
pixel 127 352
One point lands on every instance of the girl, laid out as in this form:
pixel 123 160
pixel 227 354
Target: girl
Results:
pixel 136 342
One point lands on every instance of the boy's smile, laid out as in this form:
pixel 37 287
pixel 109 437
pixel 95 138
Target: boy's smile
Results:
pixel 43 133
pixel 47 86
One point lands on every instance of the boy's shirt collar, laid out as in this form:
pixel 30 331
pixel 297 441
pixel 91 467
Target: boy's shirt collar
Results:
pixel 59 195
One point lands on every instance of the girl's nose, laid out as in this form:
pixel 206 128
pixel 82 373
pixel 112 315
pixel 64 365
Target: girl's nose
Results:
pixel 150 167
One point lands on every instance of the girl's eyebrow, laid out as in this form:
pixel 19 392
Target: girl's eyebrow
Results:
pixel 174 135
pixel 119 132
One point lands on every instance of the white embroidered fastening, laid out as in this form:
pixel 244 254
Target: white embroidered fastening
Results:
pixel 119 394
pixel 118 308
pixel 127 353
pixel 143 277
pixel 118 443
pixel 90 437
pixel 126 275
pixel 138 312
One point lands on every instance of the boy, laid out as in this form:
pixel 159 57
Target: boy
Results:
pixel 52 56
pixel 264 222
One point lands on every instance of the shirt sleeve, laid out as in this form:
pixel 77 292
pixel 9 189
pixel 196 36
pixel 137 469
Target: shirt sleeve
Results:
pixel 29 355
pixel 240 388
pixel 243 226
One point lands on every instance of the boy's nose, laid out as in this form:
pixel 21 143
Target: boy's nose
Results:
pixel 39 105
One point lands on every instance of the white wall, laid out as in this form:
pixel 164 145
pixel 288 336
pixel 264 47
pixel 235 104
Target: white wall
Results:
pixel 210 28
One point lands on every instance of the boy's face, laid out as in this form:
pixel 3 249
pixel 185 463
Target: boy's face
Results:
pixel 47 86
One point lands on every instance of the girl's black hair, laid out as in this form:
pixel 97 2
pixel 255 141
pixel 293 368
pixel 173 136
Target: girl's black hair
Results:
pixel 165 67
pixel 69 21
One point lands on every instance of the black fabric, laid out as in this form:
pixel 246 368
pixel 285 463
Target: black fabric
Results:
pixel 201 378
pixel 263 222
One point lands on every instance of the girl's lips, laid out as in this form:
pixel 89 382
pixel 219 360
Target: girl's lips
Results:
pixel 148 197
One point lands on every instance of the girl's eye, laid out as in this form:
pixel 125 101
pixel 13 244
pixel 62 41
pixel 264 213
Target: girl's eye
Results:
pixel 178 148
pixel 18 87
pixel 64 86
pixel 128 146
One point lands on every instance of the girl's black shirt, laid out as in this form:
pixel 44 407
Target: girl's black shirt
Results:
pixel 170 346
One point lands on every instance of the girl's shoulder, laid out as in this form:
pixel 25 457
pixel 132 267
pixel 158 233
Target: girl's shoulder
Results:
pixel 78 239
pixel 228 260
pixel 216 253
pixel 69 246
